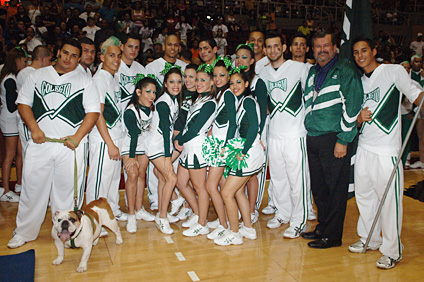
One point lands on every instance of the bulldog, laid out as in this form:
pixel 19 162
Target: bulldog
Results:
pixel 82 228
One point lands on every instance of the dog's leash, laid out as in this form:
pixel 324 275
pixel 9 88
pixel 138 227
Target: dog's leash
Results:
pixel 56 140
pixel 72 240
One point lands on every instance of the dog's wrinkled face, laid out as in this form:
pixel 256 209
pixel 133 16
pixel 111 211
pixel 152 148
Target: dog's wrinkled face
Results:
pixel 66 223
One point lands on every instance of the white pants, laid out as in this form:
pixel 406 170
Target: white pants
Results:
pixel 48 172
pixel 372 173
pixel 104 175
pixel 288 162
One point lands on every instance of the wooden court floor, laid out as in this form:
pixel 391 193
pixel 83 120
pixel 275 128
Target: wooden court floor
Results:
pixel 149 255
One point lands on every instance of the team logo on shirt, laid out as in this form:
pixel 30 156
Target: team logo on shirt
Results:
pixel 373 96
pixel 280 84
pixel 145 125
pixel 47 88
pixel 311 80
pixel 126 79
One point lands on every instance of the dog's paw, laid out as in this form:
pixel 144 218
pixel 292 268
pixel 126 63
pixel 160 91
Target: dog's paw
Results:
pixel 57 261
pixel 119 240
pixel 82 268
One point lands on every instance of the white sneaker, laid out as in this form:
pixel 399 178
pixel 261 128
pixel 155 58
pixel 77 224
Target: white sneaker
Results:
pixel 10 197
pixel 231 238
pixel 248 232
pixel 293 232
pixel 196 230
pixel 269 210
pixel 121 216
pixel 172 218
pixel 163 225
pixel 176 205
pixel 387 262
pixel 276 222
pixel 417 164
pixel 220 231
pixel 184 213
pixel 15 242
pixel 358 247
pixel 191 221
pixel 254 216
pixel 104 232
pixel 144 215
pixel 132 224
pixel 18 188
pixel 312 215
pixel 214 224
pixel 1 191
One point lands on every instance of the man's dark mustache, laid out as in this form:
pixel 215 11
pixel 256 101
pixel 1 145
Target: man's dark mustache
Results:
pixel 323 52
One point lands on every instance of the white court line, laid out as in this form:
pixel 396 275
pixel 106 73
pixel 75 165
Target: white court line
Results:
pixel 193 276
pixel 168 239
pixel 180 256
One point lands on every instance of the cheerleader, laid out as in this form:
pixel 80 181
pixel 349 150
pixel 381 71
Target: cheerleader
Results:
pixel 245 56
pixel 189 91
pixel 137 118
pixel 159 149
pixel 226 108
pixel 252 154
pixel 15 61
pixel 192 166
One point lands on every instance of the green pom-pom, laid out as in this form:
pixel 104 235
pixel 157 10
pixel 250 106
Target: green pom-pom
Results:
pixel 211 151
pixel 233 149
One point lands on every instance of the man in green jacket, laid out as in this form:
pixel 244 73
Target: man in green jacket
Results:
pixel 333 98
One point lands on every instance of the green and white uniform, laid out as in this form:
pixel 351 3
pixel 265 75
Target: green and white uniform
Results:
pixel 198 124
pixel 225 112
pixel 59 104
pixel 185 108
pixel 9 115
pixel 136 128
pixel 158 65
pixel 104 174
pixel 288 159
pixel 248 120
pixel 125 77
pixel 378 147
pixel 159 141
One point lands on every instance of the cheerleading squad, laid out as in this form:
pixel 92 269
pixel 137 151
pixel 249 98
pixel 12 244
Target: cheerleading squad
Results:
pixel 202 133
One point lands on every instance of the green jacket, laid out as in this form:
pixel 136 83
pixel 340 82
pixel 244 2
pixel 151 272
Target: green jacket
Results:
pixel 337 104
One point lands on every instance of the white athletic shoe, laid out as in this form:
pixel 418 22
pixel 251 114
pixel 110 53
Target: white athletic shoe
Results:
pixel 358 247
pixel 1 191
pixel 248 232
pixel 196 230
pixel 176 205
pixel 214 224
pixel 184 213
pixel 276 222
pixel 144 215
pixel 10 197
pixel 163 225
pixel 15 242
pixel 132 224
pixel 387 262
pixel 417 164
pixel 254 216
pixel 103 233
pixel 172 218
pixel 217 233
pixel 18 188
pixel 269 210
pixel 293 232
pixel 193 219
pixel 312 215
pixel 231 238
pixel 121 216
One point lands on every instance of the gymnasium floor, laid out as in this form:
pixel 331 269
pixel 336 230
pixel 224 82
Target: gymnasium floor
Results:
pixel 149 255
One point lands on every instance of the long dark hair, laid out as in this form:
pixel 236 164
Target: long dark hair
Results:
pixel 134 98
pixel 247 92
pixel 171 71
pixel 219 95
pixel 212 93
pixel 10 66
pixel 190 67
pixel 251 72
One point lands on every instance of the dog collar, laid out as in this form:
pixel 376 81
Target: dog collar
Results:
pixel 72 240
